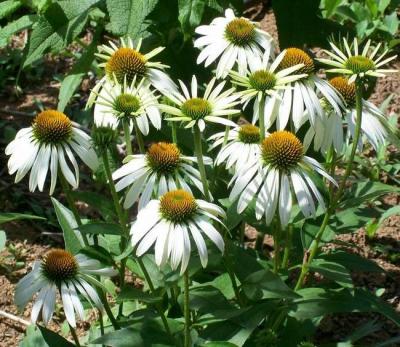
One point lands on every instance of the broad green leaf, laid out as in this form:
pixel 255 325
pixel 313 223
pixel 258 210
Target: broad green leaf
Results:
pixel 373 7
pixel 99 253
pixel 72 238
pixel 14 27
pixel 130 293
pixel 317 302
pixel 391 23
pixel 127 17
pixel 351 261
pixel 57 27
pixel 330 6
pixel 383 4
pixel 8 7
pixel 334 271
pixel 3 239
pixel 238 328
pixel 190 14
pixel 346 12
pixel 146 333
pixel 9 217
pixel 79 70
pixel 300 22
pixel 366 191
pixel 100 202
pixel 265 284
pixel 38 336
pixel 310 229
pixel 101 228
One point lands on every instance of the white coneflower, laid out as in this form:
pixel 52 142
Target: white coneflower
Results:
pixel 116 102
pixel 70 276
pixel 161 169
pixel 264 84
pixel 302 101
pixel 358 64
pixel 126 62
pixel 242 146
pixel 194 110
pixel 281 168
pixel 171 222
pixel 374 125
pixel 232 40
pixel 49 144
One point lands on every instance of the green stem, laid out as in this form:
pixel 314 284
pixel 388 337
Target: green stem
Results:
pixel 277 252
pixel 261 117
pixel 186 309
pixel 312 251
pixel 113 191
pixel 110 315
pixel 173 132
pixel 152 289
pixel 288 246
pixel 139 137
pixel 127 135
pixel 74 336
pixel 67 191
pixel 199 153
pixel 229 268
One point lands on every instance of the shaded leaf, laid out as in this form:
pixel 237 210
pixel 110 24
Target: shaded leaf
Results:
pixel 9 217
pixel 72 238
pixel 131 293
pixel 333 271
pixel 14 27
pixel 38 336
pixel 101 228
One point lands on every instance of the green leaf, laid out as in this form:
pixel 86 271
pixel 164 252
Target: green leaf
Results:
pixel 219 344
pixel 9 217
pixel 317 302
pixel 391 23
pixel 60 24
pixel 347 13
pixel 101 228
pixel 14 27
pixel 3 239
pixel 331 5
pixel 351 261
pixel 143 334
pixel 383 4
pixel 100 202
pixel 190 14
pixel 265 284
pixel 300 22
pixel 373 7
pixel 72 238
pixel 310 229
pixel 8 7
pixel 127 18
pixel 130 293
pixel 366 191
pixel 79 70
pixel 333 271
pixel 38 336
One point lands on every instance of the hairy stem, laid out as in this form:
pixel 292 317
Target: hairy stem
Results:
pixel 312 251
pixel 127 136
pixel 186 308
pixel 261 117
pixel 139 137
pixel 199 153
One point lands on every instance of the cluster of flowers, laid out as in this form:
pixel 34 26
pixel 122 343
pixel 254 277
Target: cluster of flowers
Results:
pixel 267 162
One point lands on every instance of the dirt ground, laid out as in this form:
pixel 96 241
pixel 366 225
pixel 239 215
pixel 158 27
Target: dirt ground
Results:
pixel 31 244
